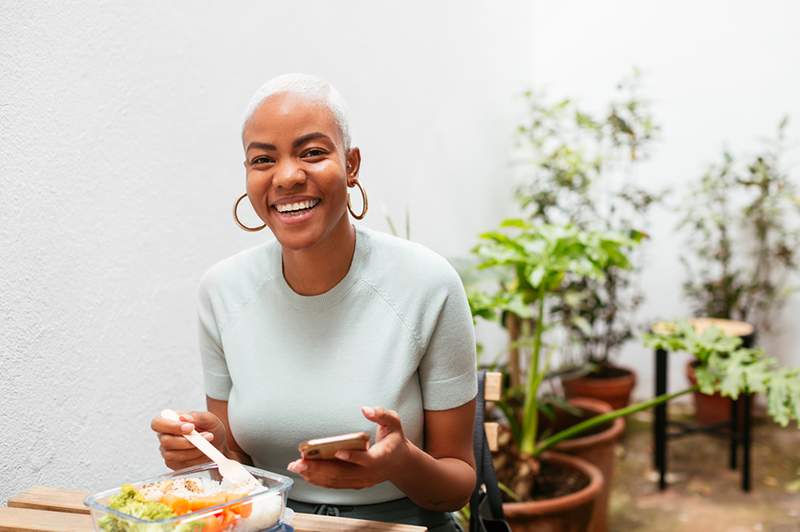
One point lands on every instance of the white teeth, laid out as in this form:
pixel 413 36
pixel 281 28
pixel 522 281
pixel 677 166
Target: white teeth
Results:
pixel 300 205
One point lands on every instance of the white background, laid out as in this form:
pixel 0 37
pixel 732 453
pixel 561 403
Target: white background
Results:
pixel 120 160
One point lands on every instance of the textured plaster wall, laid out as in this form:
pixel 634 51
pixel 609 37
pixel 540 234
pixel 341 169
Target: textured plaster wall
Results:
pixel 120 159
pixel 719 73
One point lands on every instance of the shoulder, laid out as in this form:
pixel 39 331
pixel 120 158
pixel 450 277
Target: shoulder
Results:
pixel 402 264
pixel 238 274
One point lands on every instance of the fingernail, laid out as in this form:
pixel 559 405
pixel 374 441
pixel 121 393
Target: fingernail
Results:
pixel 368 410
pixel 290 467
pixel 342 455
pixel 186 417
pixel 300 468
pixel 187 427
pixel 208 436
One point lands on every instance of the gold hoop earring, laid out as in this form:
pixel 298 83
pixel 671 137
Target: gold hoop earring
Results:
pixel 236 216
pixel 364 200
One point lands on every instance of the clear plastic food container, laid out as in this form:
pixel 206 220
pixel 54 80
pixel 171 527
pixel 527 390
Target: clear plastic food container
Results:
pixel 263 510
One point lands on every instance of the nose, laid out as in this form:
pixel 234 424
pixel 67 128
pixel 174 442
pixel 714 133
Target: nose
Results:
pixel 288 174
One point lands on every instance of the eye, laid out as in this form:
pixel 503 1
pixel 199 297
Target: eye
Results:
pixel 314 152
pixel 261 160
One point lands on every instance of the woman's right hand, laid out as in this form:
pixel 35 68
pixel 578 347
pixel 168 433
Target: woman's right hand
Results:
pixel 176 450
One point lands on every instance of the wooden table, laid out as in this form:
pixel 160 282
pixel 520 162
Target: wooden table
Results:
pixel 45 508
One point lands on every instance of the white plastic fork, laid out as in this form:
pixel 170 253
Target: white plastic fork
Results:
pixel 233 473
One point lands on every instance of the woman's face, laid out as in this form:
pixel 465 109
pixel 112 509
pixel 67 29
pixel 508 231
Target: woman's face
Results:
pixel 297 169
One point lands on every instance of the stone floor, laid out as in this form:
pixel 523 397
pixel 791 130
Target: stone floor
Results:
pixel 704 494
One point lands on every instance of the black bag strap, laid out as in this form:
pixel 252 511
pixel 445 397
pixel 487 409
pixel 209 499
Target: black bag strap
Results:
pixel 486 486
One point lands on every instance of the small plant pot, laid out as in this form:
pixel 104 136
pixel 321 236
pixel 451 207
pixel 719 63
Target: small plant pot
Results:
pixel 711 409
pixel 596 447
pixel 612 384
pixel 565 513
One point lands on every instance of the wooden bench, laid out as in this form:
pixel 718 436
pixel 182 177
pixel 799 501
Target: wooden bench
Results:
pixel 45 508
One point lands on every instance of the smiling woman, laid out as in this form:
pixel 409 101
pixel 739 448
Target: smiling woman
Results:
pixel 299 336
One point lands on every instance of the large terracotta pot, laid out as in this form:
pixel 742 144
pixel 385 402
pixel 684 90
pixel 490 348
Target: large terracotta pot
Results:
pixel 614 390
pixel 569 513
pixel 596 448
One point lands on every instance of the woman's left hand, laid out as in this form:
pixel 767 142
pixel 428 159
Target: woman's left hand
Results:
pixel 361 469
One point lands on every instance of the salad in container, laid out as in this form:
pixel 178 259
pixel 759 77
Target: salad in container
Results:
pixel 194 499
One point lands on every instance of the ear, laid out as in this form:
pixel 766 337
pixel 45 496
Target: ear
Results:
pixel 353 165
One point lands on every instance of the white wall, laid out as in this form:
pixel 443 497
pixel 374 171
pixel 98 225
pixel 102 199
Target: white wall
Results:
pixel 719 73
pixel 120 160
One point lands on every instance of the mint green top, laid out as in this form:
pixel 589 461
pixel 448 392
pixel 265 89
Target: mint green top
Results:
pixel 395 332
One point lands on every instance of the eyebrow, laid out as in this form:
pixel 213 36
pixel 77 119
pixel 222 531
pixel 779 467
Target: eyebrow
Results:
pixel 299 141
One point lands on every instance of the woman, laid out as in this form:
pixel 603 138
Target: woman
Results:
pixel 298 335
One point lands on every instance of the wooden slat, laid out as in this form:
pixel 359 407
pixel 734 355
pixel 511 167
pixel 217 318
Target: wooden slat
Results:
pixel 729 327
pixel 55 499
pixel 493 386
pixel 322 523
pixel 27 520
pixel 491 434
pixel 44 508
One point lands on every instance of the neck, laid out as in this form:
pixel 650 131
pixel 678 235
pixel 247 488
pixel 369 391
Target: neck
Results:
pixel 315 270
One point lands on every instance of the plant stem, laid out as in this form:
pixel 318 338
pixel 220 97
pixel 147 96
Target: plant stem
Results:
pixel 512 324
pixel 605 418
pixel 530 414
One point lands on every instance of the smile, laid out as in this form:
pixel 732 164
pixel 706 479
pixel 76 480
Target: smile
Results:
pixel 298 207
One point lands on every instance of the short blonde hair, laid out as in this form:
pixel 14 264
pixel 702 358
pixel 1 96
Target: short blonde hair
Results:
pixel 311 87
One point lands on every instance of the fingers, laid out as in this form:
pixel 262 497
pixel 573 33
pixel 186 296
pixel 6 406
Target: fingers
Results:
pixel 167 426
pixel 180 462
pixel 361 458
pixel 178 443
pixel 382 416
pixel 331 474
pixel 202 420
pixel 176 450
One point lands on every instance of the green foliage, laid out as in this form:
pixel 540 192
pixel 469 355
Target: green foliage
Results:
pixel 576 169
pixel 742 222
pixel 536 261
pixel 726 367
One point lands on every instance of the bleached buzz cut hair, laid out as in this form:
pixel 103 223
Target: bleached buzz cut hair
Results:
pixel 310 87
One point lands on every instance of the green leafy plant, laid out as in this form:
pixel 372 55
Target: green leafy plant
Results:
pixel 577 168
pixel 724 366
pixel 537 261
pixel 742 222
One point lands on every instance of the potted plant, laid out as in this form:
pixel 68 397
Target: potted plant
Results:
pixel 743 233
pixel 537 261
pixel 578 168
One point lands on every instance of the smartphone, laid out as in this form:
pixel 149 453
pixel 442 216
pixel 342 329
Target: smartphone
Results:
pixel 325 448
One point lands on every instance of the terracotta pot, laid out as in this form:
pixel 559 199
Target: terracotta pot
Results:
pixel 596 448
pixel 615 391
pixel 711 409
pixel 569 513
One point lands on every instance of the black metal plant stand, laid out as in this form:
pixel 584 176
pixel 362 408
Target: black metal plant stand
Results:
pixel 739 434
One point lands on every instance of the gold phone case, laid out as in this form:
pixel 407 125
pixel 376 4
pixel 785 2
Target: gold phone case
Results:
pixel 325 448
